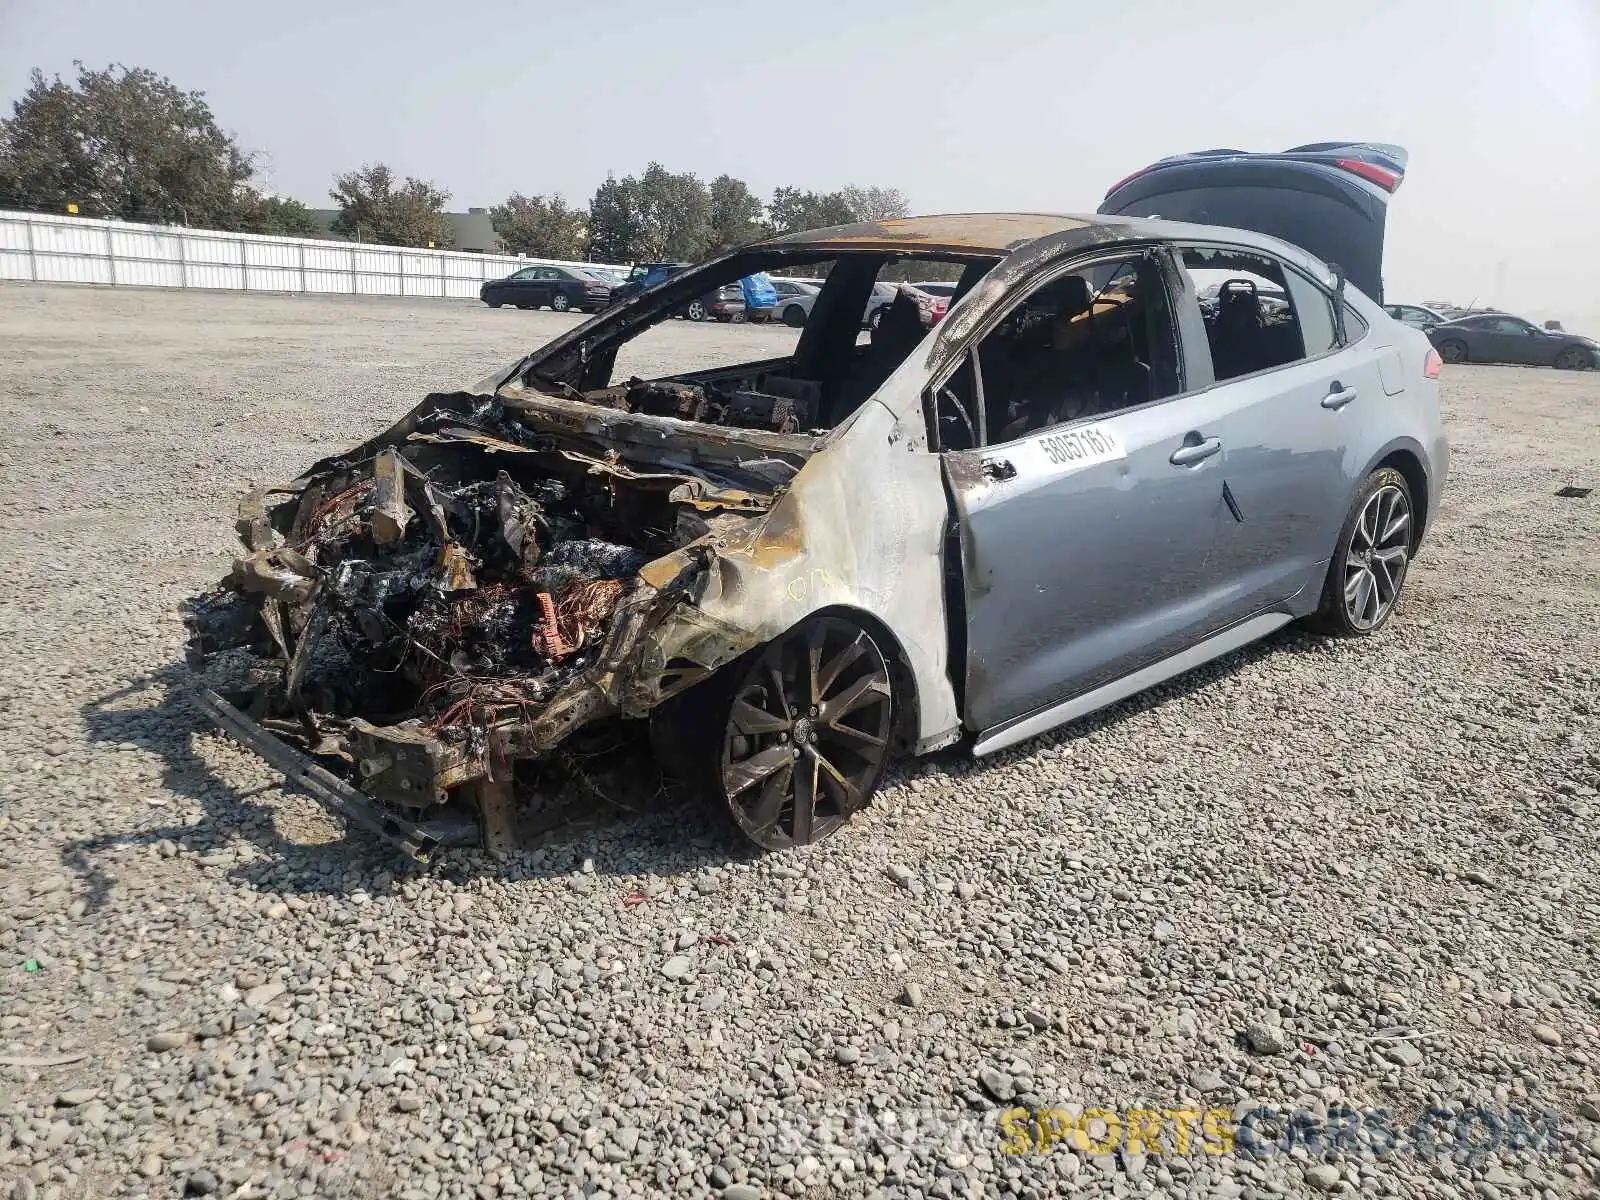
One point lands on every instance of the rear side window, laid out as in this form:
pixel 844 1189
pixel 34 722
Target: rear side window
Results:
pixel 1259 313
pixel 1313 309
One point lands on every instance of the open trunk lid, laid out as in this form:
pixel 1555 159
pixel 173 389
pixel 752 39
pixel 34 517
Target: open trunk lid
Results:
pixel 1331 198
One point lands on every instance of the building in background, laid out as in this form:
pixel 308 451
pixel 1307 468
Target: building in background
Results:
pixel 473 230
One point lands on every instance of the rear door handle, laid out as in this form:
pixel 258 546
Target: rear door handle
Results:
pixel 1190 453
pixel 1338 397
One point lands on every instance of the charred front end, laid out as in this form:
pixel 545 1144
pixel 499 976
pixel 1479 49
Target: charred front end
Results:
pixel 411 623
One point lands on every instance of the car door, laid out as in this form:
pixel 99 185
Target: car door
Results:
pixel 1501 340
pixel 514 287
pixel 1289 428
pixel 1526 343
pixel 1085 543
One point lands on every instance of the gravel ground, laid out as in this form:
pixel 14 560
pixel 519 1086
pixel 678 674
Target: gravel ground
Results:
pixel 1314 875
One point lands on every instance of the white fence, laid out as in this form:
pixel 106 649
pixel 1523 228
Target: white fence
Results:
pixel 54 249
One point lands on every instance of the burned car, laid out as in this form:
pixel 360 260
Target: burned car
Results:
pixel 1072 487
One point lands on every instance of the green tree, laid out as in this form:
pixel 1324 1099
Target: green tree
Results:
pixel 540 226
pixel 793 210
pixel 277 215
pixel 373 209
pixel 656 215
pixel 875 203
pixel 615 222
pixel 123 142
pixel 735 215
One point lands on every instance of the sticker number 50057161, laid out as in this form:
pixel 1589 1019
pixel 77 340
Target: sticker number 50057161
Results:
pixel 1082 446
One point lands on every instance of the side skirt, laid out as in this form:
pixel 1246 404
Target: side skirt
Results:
pixel 1024 727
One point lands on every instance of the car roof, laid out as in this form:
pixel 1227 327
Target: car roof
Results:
pixel 999 235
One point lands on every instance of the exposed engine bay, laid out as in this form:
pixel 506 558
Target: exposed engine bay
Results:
pixel 468 594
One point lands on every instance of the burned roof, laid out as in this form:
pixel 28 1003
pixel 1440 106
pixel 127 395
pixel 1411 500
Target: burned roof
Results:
pixel 957 233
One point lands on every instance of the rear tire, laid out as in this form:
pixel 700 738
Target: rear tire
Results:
pixel 1371 559
pixel 559 302
pixel 794 316
pixel 1453 350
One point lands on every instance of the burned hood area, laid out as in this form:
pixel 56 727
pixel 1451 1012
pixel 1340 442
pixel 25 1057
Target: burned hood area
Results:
pixel 467 590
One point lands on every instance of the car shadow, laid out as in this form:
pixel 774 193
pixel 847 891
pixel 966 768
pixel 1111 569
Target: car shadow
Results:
pixel 671 836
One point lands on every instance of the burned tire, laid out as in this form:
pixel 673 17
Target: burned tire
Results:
pixel 559 302
pixel 696 310
pixel 1453 350
pixel 1574 358
pixel 791 738
pixel 794 316
pixel 1370 562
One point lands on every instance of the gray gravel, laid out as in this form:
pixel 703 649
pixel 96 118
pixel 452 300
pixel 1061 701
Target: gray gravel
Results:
pixel 1317 874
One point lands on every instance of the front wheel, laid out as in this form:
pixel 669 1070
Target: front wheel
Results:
pixel 696 310
pixel 794 736
pixel 559 302
pixel 1369 564
pixel 1453 350
pixel 1574 358
pixel 495 303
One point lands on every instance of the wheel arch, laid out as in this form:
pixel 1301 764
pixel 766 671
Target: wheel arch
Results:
pixel 1406 457
pixel 907 716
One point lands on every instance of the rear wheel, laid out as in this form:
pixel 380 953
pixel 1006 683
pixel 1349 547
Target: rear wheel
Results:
pixel 1369 564
pixel 559 302
pixel 792 737
pixel 696 310
pixel 1574 358
pixel 1453 350
pixel 794 316
pixel 876 319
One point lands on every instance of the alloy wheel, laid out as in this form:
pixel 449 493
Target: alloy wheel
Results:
pixel 807 734
pixel 1376 559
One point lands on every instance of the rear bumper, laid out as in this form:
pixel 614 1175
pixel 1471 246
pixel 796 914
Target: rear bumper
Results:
pixel 419 840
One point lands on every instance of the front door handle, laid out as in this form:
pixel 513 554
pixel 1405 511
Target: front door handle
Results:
pixel 1190 453
pixel 1338 397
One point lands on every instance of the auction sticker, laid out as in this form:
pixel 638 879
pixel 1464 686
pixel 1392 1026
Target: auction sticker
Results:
pixel 1082 446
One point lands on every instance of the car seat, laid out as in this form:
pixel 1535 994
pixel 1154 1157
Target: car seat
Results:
pixel 1236 330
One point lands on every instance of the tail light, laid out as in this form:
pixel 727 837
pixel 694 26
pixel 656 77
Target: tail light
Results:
pixel 1432 365
pixel 1123 182
pixel 1371 172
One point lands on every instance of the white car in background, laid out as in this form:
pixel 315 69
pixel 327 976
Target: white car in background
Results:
pixel 795 298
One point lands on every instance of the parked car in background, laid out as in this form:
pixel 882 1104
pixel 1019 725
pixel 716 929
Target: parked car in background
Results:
pixel 881 296
pixel 1418 316
pixel 721 304
pixel 1500 338
pixel 645 275
pixel 559 288
pixel 794 303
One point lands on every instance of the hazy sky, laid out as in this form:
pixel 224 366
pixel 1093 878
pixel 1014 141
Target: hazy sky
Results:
pixel 975 105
